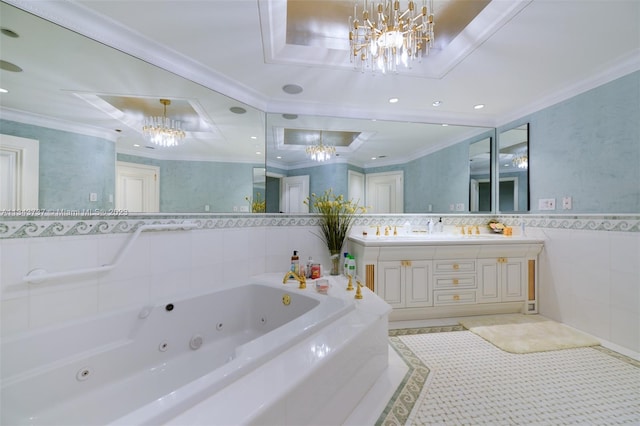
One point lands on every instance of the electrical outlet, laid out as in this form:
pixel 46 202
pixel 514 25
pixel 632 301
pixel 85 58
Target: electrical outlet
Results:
pixel 93 197
pixel 547 204
pixel 567 203
pixel 460 207
pixel 207 208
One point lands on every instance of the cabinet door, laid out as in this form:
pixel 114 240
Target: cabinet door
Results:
pixel 418 283
pixel 513 279
pixel 488 281
pixel 390 278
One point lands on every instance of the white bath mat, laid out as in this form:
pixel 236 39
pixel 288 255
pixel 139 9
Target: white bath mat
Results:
pixel 520 334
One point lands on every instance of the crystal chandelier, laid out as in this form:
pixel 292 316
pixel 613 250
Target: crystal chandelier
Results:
pixel 320 152
pixel 521 162
pixel 163 131
pixel 386 36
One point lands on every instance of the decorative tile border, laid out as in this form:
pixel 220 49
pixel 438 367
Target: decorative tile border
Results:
pixel 56 226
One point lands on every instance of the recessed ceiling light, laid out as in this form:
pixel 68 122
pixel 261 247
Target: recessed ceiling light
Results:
pixel 393 100
pixel 292 89
pixel 3 90
pixel 237 110
pixel 445 125
pixel 436 103
pixel 478 106
pixel 279 157
pixel 137 145
pixel 373 158
pixel 289 116
pixel 258 153
pixel 254 137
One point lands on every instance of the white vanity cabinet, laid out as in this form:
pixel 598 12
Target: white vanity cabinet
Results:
pixel 454 282
pixel 405 283
pixel 448 277
pixel 502 280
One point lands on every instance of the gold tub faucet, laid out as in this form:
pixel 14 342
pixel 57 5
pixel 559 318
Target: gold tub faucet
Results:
pixel 300 278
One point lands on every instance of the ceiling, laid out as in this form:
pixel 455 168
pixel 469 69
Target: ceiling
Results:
pixel 515 57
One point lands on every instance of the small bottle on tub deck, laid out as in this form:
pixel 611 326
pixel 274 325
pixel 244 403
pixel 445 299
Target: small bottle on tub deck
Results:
pixel 295 262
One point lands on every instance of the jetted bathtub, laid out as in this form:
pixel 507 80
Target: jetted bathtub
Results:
pixel 140 366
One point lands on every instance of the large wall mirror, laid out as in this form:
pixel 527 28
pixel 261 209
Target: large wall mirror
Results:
pixel 480 187
pixel 513 170
pixel 84 105
pixel 427 166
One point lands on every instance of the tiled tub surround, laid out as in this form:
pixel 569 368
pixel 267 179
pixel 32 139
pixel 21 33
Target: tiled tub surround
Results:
pixel 589 276
pixel 156 363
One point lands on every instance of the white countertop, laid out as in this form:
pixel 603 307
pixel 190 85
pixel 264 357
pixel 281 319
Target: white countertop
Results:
pixel 440 239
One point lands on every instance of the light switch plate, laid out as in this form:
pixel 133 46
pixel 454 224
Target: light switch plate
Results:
pixel 547 204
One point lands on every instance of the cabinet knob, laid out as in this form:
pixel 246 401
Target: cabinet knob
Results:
pixel 456 297
pixel 456 281
pixel 456 266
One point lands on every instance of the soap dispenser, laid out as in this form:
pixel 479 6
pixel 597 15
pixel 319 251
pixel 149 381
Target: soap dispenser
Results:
pixel 431 226
pixel 295 262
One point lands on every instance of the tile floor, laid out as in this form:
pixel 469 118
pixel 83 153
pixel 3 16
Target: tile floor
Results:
pixel 473 382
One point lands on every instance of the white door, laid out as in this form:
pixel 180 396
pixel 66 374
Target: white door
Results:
pixel 19 175
pixel 385 192
pixel 355 182
pixel 294 191
pixel 137 188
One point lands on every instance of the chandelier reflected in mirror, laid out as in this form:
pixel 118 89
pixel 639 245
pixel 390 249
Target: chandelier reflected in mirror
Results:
pixel 383 35
pixel 521 161
pixel 163 131
pixel 321 151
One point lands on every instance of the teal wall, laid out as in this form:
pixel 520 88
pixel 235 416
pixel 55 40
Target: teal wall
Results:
pixel 325 176
pixel 72 166
pixel 588 147
pixel 187 186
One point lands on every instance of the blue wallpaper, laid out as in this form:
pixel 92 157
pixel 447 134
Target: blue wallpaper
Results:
pixel 188 186
pixel 72 166
pixel 588 148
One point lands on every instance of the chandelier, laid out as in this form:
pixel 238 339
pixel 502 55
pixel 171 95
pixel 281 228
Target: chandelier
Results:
pixel 320 152
pixel 387 36
pixel 163 131
pixel 521 161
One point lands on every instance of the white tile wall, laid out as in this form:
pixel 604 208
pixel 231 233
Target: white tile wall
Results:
pixel 589 280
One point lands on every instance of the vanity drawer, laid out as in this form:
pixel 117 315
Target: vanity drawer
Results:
pixel 449 266
pixel 452 282
pixel 451 297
